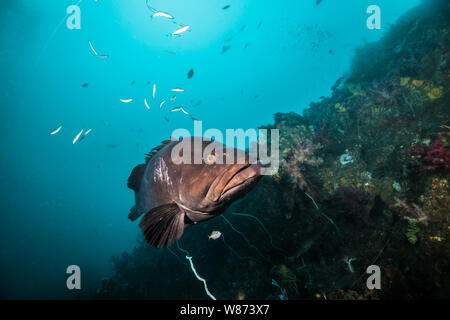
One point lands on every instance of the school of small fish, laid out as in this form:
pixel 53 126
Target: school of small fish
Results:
pixel 157 13
pixel 182 28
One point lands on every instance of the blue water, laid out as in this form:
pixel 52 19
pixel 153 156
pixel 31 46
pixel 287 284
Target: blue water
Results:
pixel 64 203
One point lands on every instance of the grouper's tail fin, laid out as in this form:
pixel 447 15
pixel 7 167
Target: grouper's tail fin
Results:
pixel 135 178
pixel 162 226
pixel 134 183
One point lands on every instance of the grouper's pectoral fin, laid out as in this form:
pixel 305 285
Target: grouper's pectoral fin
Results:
pixel 162 226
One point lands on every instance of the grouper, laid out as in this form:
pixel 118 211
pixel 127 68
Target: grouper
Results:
pixel 173 195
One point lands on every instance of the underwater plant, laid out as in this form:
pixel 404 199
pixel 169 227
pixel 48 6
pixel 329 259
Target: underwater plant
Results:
pixel 411 232
pixel 348 261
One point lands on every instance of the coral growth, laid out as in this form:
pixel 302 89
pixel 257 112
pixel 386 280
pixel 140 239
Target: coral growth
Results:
pixel 410 212
pixel 302 156
pixel 433 157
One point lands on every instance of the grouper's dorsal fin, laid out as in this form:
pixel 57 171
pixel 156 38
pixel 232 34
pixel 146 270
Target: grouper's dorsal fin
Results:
pixel 155 150
pixel 135 179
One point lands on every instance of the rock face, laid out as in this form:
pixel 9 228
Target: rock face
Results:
pixel 389 206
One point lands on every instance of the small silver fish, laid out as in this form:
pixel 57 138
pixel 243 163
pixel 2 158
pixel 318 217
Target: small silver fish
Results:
pixel 77 137
pixel 92 48
pixel 85 134
pixel 162 14
pixel 179 109
pixel 180 31
pixel 56 130
pixel 95 52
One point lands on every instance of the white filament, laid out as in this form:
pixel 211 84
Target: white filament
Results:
pixel 200 278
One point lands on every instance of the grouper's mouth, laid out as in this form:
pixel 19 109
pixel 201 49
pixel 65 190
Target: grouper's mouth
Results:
pixel 241 181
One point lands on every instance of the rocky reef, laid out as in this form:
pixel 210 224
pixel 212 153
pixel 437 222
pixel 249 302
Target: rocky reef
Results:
pixel 363 180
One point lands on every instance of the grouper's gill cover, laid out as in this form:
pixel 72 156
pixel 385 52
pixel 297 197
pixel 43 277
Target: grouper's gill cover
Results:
pixel 174 196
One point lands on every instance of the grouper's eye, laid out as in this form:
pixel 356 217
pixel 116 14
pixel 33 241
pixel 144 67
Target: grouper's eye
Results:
pixel 211 159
